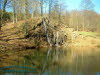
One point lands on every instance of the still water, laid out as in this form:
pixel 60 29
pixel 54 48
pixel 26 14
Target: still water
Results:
pixel 52 61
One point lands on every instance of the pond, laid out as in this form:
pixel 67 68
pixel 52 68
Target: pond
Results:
pixel 51 61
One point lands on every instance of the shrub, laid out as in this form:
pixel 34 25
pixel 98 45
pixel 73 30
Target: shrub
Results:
pixel 6 16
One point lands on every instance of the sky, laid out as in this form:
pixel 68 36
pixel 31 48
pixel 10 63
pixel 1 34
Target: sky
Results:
pixel 75 4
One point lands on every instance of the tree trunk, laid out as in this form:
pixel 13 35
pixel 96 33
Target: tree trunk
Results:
pixel 13 18
pixel 83 22
pixel 46 32
pixel 57 39
pixel 42 8
pixel 77 22
pixel 50 4
pixel 4 5
pixel 0 16
pixel 16 18
pixel 14 14
pixel 32 15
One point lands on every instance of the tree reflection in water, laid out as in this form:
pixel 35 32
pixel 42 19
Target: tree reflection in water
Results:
pixel 60 61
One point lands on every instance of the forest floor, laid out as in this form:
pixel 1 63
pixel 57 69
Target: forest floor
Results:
pixel 12 38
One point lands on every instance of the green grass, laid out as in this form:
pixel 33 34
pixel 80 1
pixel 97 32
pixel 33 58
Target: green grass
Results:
pixel 93 34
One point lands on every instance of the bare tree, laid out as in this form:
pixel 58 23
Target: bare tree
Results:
pixel 14 7
pixel 50 7
pixel 41 4
pixel 4 5
pixel 86 5
pixel 0 14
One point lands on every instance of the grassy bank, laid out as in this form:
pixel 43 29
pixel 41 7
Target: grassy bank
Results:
pixel 91 34
pixel 87 39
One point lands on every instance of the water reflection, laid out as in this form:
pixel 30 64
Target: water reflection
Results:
pixel 54 61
